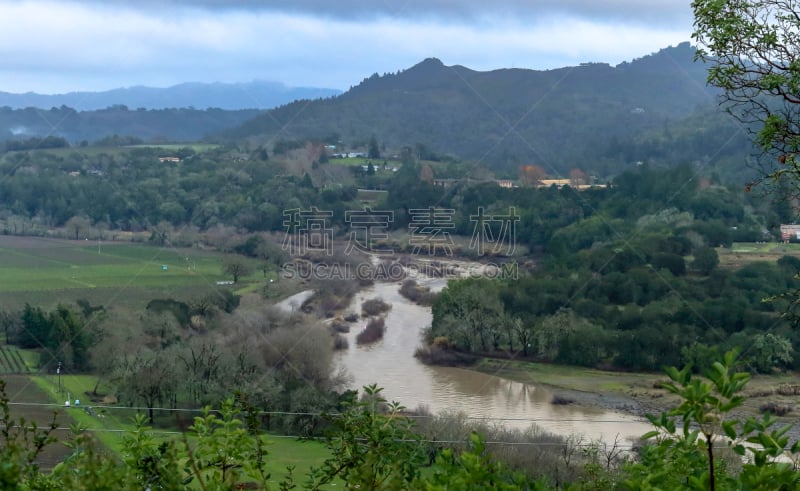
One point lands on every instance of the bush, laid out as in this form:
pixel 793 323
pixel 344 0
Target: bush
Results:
pixel 421 295
pixel 340 342
pixel 374 306
pixel 560 400
pixel 373 332
pixel 438 355
pixel 338 326
pixel 775 408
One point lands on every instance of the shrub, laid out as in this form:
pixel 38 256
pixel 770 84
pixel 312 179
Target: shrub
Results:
pixel 420 295
pixel 374 306
pixel 338 326
pixel 561 400
pixel 372 332
pixel 775 408
pixel 340 342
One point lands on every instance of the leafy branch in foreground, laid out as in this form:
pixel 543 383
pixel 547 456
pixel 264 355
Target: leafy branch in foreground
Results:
pixel 21 443
pixel 687 456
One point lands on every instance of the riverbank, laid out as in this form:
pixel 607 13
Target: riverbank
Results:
pixel 632 393
pixel 638 394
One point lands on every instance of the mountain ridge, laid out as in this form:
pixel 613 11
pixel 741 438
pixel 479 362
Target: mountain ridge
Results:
pixel 501 117
pixel 256 94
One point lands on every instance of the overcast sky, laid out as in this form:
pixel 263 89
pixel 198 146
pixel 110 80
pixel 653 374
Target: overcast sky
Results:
pixel 59 46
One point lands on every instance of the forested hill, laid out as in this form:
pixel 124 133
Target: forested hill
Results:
pixel 504 117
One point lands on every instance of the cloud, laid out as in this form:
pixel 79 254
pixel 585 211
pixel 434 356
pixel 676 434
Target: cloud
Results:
pixel 57 45
pixel 453 10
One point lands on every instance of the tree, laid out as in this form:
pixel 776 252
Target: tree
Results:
pixel 705 260
pixel 577 177
pixel 754 53
pixel 672 262
pixel 149 377
pixel 236 267
pixel 531 175
pixel 77 226
pixel 374 151
pixel 769 351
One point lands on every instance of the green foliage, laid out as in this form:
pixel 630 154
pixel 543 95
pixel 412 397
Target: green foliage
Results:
pixel 373 447
pixel 226 454
pixel 61 334
pixel 687 456
pixel 769 352
pixel 474 469
pixel 751 48
pixel 705 260
pixel 153 464
pixel 671 262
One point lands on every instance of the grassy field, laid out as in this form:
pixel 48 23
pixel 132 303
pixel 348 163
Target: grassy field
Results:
pixel 742 253
pixel 46 271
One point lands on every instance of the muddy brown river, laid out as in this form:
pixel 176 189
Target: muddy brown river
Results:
pixel 390 363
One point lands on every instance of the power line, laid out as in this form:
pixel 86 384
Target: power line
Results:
pixel 396 440
pixel 318 414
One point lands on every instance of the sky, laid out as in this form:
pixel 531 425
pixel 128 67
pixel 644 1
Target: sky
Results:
pixel 60 46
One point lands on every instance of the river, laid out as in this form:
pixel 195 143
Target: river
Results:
pixel 391 364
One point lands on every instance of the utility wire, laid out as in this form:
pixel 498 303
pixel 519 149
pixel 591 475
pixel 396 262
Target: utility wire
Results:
pixel 317 414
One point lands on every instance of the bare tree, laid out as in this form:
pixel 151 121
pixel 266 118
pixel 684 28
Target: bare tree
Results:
pixel 77 226
pixel 236 267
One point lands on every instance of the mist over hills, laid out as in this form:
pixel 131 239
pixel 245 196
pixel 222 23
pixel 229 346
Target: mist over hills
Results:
pixel 258 94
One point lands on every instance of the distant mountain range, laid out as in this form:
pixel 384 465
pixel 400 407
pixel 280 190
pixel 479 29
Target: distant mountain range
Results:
pixel 258 94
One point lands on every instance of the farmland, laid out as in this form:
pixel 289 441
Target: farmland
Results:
pixel 47 271
pixel 742 253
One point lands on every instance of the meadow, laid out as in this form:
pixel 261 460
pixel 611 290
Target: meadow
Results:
pixel 743 253
pixel 43 271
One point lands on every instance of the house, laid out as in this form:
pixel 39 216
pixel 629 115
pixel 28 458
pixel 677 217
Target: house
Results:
pixel 174 160
pixel 789 232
